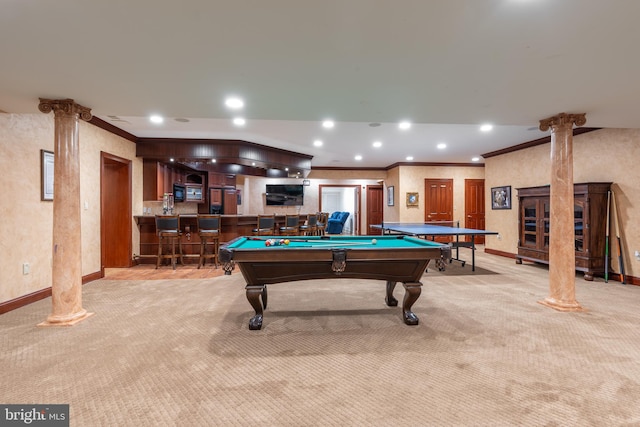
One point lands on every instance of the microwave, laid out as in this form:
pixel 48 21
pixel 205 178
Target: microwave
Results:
pixel 179 192
pixel 194 193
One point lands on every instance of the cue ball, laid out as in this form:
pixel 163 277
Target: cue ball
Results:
pixel 374 241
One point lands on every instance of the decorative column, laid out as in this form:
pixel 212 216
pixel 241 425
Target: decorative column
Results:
pixel 66 287
pixel 562 255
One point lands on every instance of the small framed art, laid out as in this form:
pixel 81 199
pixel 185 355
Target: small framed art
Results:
pixel 412 199
pixel 501 197
pixel 46 186
pixel 390 190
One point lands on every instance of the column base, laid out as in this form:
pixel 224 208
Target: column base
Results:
pixel 66 320
pixel 562 305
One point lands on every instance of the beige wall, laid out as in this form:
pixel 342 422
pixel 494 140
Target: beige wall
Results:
pixel 607 155
pixel 254 189
pixel 27 226
pixel 412 180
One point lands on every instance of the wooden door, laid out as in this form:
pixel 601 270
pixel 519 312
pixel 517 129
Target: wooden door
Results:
pixel 438 200
pixel 230 201
pixel 438 204
pixel 374 208
pixel 474 206
pixel 115 211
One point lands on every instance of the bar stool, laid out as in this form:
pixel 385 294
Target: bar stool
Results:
pixel 168 231
pixel 209 232
pixel 266 225
pixel 291 225
pixel 311 227
pixel 322 223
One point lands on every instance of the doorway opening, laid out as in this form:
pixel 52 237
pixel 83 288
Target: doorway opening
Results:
pixel 342 198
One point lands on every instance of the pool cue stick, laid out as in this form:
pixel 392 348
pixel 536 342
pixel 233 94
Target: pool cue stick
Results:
pixel 606 241
pixel 620 257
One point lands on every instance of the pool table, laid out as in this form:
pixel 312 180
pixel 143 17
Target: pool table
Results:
pixel 392 258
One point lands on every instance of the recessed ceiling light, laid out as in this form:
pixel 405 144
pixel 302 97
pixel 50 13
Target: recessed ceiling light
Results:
pixel 358 157
pixel 239 121
pixel 409 158
pixel 404 125
pixel 486 127
pixel 287 169
pixel 156 119
pixel 317 143
pixel 329 124
pixel 475 159
pixel 171 159
pixel 234 103
pixel 377 144
pixel 253 163
pixel 213 160
pixel 441 146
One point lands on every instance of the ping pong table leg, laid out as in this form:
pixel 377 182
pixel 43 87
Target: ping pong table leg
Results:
pixel 473 252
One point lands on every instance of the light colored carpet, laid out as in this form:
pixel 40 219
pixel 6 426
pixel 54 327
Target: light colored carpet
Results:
pixel 331 353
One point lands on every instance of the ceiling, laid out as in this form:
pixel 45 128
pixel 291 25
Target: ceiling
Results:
pixel 447 66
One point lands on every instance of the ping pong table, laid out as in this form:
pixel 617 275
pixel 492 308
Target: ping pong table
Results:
pixel 427 230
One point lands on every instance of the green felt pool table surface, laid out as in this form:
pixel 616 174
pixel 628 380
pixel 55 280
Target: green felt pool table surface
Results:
pixel 299 242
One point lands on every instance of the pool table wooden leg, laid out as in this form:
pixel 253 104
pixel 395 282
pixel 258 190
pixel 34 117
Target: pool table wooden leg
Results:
pixel 253 296
pixel 412 292
pixel 390 299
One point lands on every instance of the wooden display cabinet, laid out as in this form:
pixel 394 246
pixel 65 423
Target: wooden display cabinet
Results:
pixel 590 217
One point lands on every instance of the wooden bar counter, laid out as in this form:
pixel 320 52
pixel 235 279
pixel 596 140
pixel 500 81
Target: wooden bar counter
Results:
pixel 231 226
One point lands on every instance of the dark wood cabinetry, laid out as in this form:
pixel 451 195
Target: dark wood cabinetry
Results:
pixel 590 217
pixel 221 180
pixel 157 179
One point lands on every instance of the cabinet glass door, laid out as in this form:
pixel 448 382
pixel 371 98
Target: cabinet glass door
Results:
pixel 544 229
pixel 578 224
pixel 530 222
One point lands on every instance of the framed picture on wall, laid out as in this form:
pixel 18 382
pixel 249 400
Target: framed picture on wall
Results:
pixel 390 195
pixel 412 199
pixel 46 185
pixel 501 197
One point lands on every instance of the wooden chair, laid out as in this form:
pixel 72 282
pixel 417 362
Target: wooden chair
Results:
pixel 266 226
pixel 209 232
pixel 311 227
pixel 168 232
pixel 291 225
pixel 321 225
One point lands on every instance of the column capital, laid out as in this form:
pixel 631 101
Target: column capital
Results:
pixel 65 107
pixel 563 120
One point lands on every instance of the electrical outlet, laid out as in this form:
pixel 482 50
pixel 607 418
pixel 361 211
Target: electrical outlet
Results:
pixel 499 236
pixel 638 255
pixel 26 268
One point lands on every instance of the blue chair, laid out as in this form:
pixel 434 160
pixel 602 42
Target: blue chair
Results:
pixel 336 221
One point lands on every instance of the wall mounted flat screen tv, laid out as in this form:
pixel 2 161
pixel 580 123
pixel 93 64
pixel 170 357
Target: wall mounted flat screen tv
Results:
pixel 285 195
